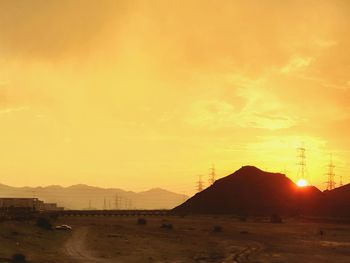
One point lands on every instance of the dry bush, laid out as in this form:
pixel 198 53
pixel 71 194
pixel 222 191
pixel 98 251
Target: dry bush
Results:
pixel 141 221
pixel 276 219
pixel 166 226
pixel 242 218
pixel 217 229
pixel 44 223
pixel 17 258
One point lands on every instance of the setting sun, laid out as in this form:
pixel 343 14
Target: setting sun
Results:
pixel 302 183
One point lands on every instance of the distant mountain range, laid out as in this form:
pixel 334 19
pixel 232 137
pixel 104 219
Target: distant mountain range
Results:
pixel 82 196
pixel 251 191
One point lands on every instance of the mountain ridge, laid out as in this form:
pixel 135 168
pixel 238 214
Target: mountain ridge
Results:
pixel 82 196
pixel 250 190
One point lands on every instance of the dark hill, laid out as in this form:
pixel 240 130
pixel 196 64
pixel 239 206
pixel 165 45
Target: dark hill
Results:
pixel 255 192
pixel 338 201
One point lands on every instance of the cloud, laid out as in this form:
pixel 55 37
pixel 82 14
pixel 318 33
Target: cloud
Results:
pixel 220 114
pixel 296 64
pixel 47 30
pixel 11 110
pixel 108 75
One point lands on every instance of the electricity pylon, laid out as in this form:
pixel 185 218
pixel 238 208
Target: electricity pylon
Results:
pixel 212 175
pixel 302 163
pixel 331 175
pixel 200 185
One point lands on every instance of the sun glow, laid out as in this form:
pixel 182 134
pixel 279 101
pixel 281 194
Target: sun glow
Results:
pixel 302 183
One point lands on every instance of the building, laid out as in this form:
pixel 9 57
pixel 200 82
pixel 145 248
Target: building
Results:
pixel 28 203
pixel 33 204
pixel 51 207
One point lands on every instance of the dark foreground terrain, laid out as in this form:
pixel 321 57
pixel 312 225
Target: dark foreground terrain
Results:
pixel 191 239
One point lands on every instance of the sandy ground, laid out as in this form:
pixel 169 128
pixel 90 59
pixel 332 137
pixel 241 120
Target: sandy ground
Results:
pixel 76 249
pixel 192 240
pixel 36 244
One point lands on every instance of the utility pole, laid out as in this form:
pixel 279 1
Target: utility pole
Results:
pixel 331 175
pixel 89 204
pixel 212 175
pixel 200 183
pixel 104 204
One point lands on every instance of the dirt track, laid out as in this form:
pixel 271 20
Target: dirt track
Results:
pixel 75 248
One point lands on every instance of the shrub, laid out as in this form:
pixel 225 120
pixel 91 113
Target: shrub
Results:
pixel 217 228
pixel 44 223
pixel 141 221
pixel 167 226
pixel 18 258
pixel 54 216
pixel 276 219
pixel 242 218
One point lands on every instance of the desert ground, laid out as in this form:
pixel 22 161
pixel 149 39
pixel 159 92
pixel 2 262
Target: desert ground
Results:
pixel 191 239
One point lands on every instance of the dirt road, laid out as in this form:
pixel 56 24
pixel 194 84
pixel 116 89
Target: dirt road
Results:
pixel 75 248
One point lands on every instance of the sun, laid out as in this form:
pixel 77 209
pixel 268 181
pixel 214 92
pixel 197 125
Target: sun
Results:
pixel 302 183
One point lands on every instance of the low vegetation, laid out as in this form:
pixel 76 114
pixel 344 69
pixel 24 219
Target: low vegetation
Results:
pixel 44 223
pixel 217 229
pixel 167 226
pixel 141 221
pixel 276 219
pixel 18 258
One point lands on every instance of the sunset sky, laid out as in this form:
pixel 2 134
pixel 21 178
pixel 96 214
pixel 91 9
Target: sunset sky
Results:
pixel 142 94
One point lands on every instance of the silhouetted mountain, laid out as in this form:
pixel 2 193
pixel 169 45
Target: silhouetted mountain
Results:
pixel 338 201
pixel 160 197
pixel 82 196
pixel 253 191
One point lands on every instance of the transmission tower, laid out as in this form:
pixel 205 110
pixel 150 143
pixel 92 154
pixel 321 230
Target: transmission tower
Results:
pixel 341 181
pixel 301 163
pixel 127 203
pixel 116 201
pixel 200 184
pixel 331 175
pixel 212 175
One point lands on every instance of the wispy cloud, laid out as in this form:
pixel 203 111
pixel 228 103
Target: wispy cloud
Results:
pixel 14 109
pixel 296 64
pixel 221 114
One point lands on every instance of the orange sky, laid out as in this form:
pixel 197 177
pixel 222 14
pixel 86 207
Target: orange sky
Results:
pixel 138 94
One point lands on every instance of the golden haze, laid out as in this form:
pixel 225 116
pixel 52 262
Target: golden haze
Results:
pixel 137 94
